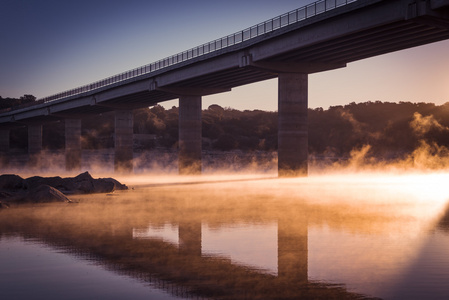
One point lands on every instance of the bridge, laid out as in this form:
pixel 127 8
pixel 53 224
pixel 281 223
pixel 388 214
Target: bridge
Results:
pixel 321 36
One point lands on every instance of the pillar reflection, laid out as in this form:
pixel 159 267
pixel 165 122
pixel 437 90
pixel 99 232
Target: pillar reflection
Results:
pixel 293 250
pixel 190 238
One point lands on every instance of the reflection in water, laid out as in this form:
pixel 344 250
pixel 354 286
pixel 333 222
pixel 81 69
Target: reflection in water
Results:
pixel 30 270
pixel 190 238
pixel 325 238
pixel 252 245
pixel 443 224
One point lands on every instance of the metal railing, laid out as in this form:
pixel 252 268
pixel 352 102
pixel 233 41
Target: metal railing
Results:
pixel 273 24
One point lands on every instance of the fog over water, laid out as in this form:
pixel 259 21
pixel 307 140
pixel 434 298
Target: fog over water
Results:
pixel 345 232
pixel 354 228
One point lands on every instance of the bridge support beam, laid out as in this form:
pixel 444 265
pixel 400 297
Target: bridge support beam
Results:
pixel 189 158
pixel 72 144
pixel 293 124
pixel 4 147
pixel 124 124
pixel 34 143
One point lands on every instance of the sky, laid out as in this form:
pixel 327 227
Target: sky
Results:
pixel 49 46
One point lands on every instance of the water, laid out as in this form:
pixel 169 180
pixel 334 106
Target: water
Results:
pixel 323 237
pixel 32 270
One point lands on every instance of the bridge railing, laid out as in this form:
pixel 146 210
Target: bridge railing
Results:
pixel 273 24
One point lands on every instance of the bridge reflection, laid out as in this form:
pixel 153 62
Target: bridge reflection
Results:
pixel 182 269
pixel 249 245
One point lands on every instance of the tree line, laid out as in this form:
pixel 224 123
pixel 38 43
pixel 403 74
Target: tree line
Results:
pixel 7 103
pixel 393 130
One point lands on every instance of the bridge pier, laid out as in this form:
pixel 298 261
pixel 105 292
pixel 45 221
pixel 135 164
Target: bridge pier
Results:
pixel 124 125
pixel 293 124
pixel 4 147
pixel 72 144
pixel 189 157
pixel 34 143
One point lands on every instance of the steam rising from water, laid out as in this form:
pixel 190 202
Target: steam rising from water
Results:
pixel 427 157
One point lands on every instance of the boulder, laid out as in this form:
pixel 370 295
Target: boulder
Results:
pixel 85 184
pixel 11 182
pixel 38 189
pixel 3 205
pixel 81 184
pixel 36 181
pixel 117 185
pixel 43 194
pixel 6 195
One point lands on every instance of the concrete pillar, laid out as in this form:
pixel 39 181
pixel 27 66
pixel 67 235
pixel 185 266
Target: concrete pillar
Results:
pixel 293 124
pixel 72 144
pixel 123 159
pixel 34 143
pixel 4 147
pixel 190 238
pixel 189 159
pixel 293 250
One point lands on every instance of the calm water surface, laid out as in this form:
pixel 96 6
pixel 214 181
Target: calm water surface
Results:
pixel 322 237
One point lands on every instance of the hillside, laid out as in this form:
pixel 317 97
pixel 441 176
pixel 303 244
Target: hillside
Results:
pixel 392 130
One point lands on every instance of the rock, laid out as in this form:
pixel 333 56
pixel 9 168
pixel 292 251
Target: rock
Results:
pixel 11 182
pixel 81 184
pixel 6 195
pixel 85 184
pixel 36 181
pixel 36 189
pixel 43 194
pixel 3 205
pixel 117 185
pixel 102 186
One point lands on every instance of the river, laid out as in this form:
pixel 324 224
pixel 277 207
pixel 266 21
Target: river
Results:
pixel 339 236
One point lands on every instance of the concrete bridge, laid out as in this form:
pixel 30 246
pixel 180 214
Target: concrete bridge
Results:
pixel 322 36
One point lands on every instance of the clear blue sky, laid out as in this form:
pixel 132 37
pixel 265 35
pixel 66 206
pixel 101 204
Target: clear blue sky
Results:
pixel 48 46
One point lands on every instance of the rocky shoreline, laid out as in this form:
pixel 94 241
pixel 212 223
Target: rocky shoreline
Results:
pixel 16 190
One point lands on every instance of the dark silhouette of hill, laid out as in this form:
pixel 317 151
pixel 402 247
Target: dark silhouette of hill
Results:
pixel 392 130
pixel 6 103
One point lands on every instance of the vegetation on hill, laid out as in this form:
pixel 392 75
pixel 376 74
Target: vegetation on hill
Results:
pixel 6 103
pixel 392 130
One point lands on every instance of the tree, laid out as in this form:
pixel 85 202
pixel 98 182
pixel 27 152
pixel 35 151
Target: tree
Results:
pixel 27 98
